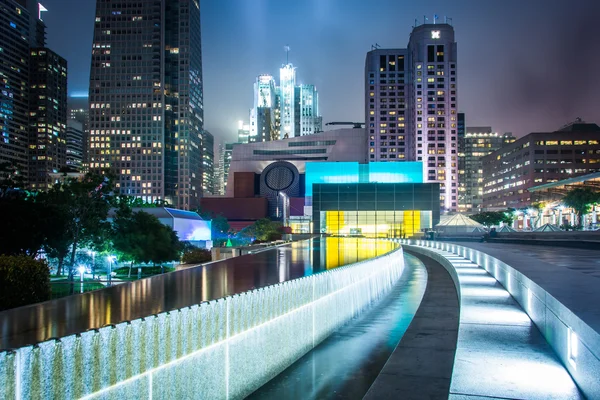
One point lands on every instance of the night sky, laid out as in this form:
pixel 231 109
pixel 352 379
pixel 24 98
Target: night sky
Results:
pixel 524 65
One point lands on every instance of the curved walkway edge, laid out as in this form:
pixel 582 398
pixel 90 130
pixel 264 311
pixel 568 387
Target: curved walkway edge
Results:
pixel 421 365
pixel 511 343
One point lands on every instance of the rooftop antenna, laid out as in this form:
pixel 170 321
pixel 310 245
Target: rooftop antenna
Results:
pixel 375 46
pixel 449 20
pixel 416 23
pixel 435 18
pixel 287 54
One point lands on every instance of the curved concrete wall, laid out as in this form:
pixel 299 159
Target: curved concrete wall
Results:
pixel 576 343
pixel 221 349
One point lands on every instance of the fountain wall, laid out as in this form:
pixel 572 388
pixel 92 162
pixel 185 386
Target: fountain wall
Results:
pixel 225 348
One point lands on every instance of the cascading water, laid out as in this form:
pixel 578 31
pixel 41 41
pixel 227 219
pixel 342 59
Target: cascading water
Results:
pixel 225 348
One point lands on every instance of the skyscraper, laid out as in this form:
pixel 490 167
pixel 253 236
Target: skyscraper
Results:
pixel 309 120
pixel 220 171
pixel 287 82
pixel 48 116
pixel 411 106
pixel 33 89
pixel 146 98
pixel 283 111
pixel 263 116
pixel 16 38
pixel 386 113
pixel 75 145
pixel 79 110
pixel 208 163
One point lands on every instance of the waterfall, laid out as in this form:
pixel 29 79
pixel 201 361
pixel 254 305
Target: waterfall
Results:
pixel 224 348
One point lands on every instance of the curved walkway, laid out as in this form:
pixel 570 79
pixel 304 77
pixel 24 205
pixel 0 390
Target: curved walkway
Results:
pixel 500 353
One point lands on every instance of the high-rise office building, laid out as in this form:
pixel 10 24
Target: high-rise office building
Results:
pixel 472 146
pixel 79 110
pixel 309 120
pixel 33 87
pixel 263 116
pixel 536 159
pixel 287 82
pixel 16 38
pixel 219 171
pixel 75 145
pixel 208 163
pixel 411 106
pixel 243 132
pixel 146 98
pixel 48 116
pixel 283 111
pixel 226 162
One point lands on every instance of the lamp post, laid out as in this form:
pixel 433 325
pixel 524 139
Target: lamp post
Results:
pixel 81 270
pixel 111 259
pixel 93 254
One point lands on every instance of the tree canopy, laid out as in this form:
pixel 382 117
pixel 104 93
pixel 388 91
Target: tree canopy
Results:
pixel 491 218
pixel 263 230
pixel 581 201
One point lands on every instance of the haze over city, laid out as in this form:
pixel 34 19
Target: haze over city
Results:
pixel 524 65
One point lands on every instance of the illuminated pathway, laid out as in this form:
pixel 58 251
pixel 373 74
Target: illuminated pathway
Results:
pixel 500 352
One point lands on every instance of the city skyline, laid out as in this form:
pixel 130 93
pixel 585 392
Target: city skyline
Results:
pixel 541 89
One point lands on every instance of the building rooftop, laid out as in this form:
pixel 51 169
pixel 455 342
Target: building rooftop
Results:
pixel 580 126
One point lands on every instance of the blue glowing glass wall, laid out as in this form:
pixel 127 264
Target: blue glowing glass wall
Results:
pixel 353 172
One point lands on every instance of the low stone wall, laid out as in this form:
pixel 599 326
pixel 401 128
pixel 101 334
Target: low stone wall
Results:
pixel 225 348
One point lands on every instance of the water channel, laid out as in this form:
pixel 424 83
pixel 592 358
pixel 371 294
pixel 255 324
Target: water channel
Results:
pixel 346 364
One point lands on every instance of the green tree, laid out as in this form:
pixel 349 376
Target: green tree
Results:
pixel 25 226
pixel 23 281
pixel 84 204
pixel 581 201
pixel 490 218
pixel 219 227
pixel 263 230
pixel 139 237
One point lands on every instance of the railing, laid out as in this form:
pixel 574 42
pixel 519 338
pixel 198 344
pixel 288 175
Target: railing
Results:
pixel 225 348
pixel 575 342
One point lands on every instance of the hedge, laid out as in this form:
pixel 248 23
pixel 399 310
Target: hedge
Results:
pixel 196 256
pixel 23 281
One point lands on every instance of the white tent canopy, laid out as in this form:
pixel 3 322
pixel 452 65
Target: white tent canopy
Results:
pixel 547 228
pixel 506 228
pixel 459 223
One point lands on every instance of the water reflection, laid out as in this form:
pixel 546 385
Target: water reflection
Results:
pixel 138 299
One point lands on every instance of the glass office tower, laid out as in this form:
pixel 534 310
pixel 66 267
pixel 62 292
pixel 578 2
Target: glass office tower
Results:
pixel 146 98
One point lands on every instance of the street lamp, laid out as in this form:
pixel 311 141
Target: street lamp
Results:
pixel 81 270
pixel 111 259
pixel 93 254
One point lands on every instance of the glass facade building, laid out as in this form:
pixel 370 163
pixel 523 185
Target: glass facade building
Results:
pixel 48 116
pixel 375 209
pixel 146 98
pixel 208 163
pixel 472 147
pixel 353 172
pixel 20 29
